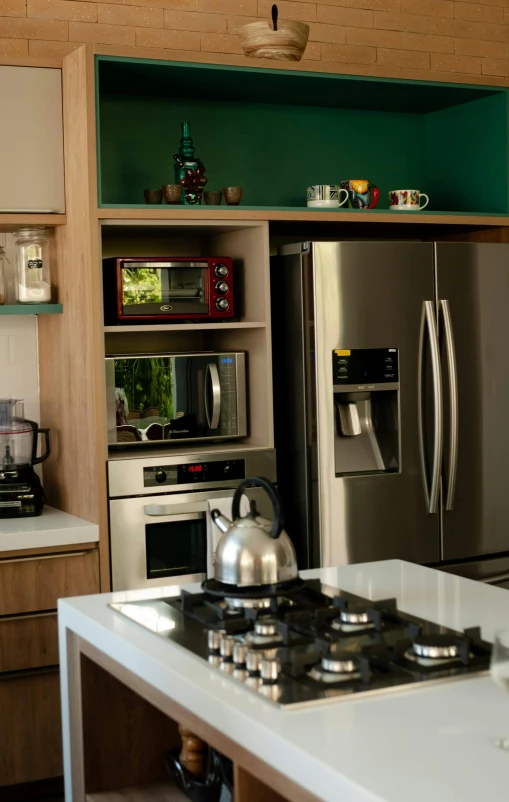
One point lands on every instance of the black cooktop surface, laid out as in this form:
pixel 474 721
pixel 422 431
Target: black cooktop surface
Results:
pixel 311 643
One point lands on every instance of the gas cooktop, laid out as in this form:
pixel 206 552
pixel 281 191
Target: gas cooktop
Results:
pixel 307 643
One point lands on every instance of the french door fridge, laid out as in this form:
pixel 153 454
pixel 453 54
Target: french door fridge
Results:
pixel 391 370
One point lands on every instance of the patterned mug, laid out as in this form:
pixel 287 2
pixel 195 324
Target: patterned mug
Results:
pixel 407 200
pixel 362 194
pixel 325 195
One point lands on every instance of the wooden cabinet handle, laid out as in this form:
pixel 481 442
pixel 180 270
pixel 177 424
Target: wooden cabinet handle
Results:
pixel 192 757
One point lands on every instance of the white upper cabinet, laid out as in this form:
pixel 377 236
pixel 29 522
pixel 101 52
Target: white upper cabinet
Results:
pixel 31 140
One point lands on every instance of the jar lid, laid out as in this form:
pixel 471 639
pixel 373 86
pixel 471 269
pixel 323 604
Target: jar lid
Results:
pixel 32 231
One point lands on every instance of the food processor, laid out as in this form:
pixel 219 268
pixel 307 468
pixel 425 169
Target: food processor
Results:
pixel 21 493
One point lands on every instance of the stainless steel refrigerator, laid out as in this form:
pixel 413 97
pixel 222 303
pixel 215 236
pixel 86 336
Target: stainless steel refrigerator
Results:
pixel 391 372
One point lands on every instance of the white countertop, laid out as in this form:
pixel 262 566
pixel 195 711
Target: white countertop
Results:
pixel 52 528
pixel 434 742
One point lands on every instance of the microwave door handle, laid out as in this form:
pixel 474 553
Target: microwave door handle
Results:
pixel 212 375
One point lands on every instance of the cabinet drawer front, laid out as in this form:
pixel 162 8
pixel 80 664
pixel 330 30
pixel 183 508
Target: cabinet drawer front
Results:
pixel 30 733
pixel 35 583
pixel 30 642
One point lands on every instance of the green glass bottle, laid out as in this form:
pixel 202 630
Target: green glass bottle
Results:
pixel 189 171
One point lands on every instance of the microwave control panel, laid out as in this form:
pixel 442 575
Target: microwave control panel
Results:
pixel 194 473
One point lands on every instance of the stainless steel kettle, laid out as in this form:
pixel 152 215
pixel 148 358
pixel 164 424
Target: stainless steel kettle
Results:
pixel 254 550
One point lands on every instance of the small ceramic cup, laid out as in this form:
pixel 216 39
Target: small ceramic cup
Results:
pixel 172 193
pixel 153 195
pixel 325 195
pixel 408 200
pixel 232 195
pixel 213 197
pixel 362 194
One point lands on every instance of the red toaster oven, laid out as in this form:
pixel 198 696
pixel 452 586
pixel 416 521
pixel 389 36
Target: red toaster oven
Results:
pixel 155 288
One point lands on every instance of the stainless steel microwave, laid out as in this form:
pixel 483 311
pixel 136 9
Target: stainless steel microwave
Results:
pixel 165 398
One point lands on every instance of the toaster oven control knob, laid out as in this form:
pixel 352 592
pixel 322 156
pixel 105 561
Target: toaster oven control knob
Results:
pixel 221 270
pixel 222 287
pixel 161 476
pixel 222 304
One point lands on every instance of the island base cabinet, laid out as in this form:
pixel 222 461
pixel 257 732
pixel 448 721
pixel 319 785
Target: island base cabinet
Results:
pixel 27 752
pixel 252 789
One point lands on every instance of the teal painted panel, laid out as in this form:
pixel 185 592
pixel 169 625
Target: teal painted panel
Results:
pixel 31 309
pixel 293 87
pixel 467 155
pixel 273 152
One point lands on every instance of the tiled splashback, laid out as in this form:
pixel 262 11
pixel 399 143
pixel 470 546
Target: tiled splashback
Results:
pixel 19 368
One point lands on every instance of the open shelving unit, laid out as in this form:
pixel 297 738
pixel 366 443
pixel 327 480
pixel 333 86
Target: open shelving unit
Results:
pixel 276 131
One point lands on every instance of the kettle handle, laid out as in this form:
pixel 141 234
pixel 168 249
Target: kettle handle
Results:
pixel 277 504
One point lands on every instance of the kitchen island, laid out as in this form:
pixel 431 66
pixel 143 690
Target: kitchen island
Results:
pixel 436 741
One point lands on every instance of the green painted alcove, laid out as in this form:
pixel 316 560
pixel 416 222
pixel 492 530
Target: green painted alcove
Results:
pixel 274 132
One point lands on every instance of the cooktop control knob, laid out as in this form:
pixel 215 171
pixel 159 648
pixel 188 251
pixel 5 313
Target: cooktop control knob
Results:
pixel 222 304
pixel 240 651
pixel 214 639
pixel 226 647
pixel 161 476
pixel 221 270
pixel 222 286
pixel 269 670
pixel 254 661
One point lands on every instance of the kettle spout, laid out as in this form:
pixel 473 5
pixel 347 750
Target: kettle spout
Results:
pixel 221 521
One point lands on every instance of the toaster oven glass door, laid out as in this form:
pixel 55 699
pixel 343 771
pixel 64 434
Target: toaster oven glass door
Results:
pixel 155 288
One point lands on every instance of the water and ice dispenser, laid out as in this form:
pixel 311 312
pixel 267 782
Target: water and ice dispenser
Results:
pixel 366 409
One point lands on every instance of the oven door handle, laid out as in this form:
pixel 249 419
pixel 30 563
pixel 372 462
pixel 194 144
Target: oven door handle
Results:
pixel 172 510
pixel 212 375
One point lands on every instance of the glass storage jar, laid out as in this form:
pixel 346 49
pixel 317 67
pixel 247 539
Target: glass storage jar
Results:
pixel 33 280
pixel 3 260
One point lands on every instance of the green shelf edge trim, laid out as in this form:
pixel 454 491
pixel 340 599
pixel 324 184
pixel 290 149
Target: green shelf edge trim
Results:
pixel 355 212
pixel 31 309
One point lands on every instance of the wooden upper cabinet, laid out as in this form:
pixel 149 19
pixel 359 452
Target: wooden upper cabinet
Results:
pixel 31 140
pixel 29 584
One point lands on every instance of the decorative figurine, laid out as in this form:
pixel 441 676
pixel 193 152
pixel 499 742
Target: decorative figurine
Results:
pixel 362 194
pixel 189 171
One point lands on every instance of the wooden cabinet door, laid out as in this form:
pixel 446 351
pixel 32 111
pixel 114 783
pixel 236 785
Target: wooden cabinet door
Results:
pixel 29 584
pixel 28 642
pixel 31 140
pixel 30 729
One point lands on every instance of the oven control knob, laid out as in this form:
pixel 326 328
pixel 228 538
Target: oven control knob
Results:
pixel 161 476
pixel 222 304
pixel 269 670
pixel 222 286
pixel 221 270
pixel 226 647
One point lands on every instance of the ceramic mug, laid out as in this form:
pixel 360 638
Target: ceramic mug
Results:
pixel 325 195
pixel 362 194
pixel 407 199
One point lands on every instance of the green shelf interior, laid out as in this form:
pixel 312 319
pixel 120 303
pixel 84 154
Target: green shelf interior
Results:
pixel 274 132
pixel 31 309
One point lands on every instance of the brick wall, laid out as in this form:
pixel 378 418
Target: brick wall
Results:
pixel 436 36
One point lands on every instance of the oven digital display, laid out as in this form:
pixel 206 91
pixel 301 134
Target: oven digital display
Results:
pixel 194 473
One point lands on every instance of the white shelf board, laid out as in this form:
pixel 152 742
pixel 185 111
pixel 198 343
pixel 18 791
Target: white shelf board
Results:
pixel 52 528
pixel 175 327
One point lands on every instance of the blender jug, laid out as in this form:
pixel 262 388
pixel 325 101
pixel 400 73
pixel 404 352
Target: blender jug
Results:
pixel 19 437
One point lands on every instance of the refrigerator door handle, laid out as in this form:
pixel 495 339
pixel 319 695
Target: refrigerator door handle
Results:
pixel 428 322
pixel 453 393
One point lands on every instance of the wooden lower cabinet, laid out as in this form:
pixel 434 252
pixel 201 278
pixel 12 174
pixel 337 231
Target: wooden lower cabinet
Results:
pixel 30 728
pixel 28 584
pixel 29 641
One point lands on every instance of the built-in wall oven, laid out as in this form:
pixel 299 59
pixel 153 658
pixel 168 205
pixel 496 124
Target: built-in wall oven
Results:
pixel 160 527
